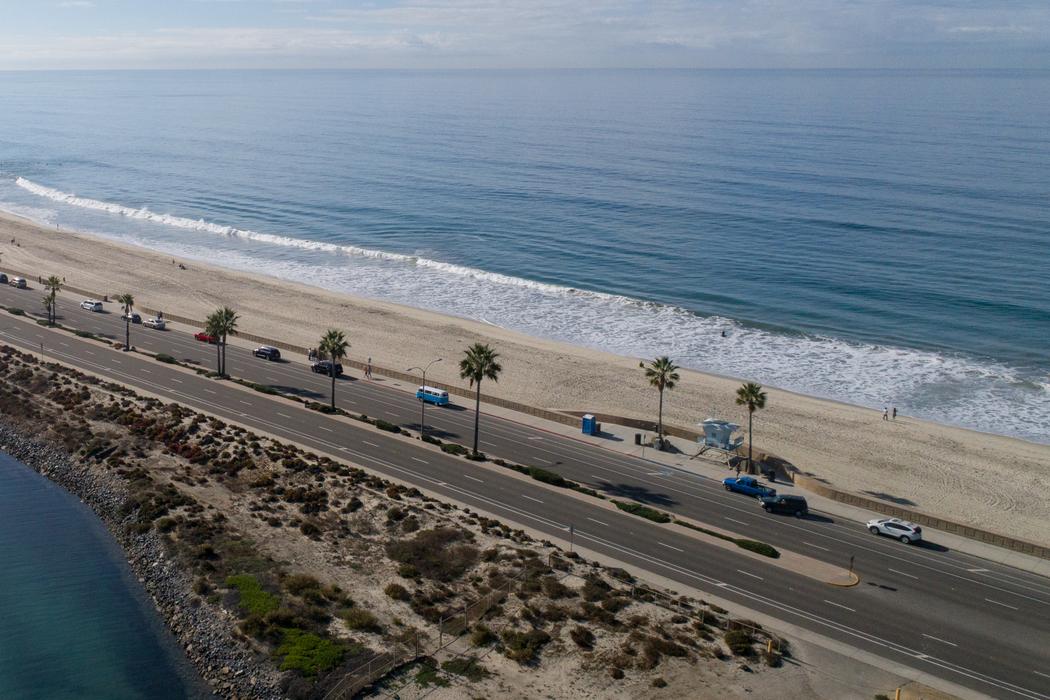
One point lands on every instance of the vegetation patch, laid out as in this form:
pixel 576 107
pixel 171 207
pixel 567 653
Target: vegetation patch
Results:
pixel 466 666
pixel 766 550
pixel 253 599
pixel 307 653
pixel 442 554
pixel 657 516
pixel 165 358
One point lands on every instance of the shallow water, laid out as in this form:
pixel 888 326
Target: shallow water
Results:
pixel 74 623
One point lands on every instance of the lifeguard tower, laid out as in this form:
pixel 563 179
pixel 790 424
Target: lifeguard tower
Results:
pixel 718 436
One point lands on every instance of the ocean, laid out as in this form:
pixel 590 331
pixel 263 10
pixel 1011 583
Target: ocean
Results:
pixel 874 237
pixel 75 624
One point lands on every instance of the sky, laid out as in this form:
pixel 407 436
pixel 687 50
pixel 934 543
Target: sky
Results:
pixel 143 34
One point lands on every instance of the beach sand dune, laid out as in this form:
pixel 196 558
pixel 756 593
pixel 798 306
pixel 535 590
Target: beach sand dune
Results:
pixel 988 481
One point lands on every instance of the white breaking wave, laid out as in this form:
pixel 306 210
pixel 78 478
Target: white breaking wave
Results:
pixel 144 214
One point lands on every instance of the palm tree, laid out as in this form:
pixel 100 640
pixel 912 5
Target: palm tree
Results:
pixel 226 324
pixel 661 373
pixel 479 362
pixel 333 346
pixel 53 285
pixel 752 396
pixel 128 302
pixel 212 327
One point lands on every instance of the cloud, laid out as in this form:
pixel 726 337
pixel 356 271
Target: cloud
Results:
pixel 76 3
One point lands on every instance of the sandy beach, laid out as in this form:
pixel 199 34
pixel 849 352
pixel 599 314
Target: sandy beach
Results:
pixel 988 481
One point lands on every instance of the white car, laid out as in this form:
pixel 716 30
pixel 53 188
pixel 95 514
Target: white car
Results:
pixel 155 323
pixel 91 305
pixel 895 527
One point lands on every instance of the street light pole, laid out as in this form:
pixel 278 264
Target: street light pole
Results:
pixel 422 402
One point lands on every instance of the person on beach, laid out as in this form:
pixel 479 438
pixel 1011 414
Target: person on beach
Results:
pixel 368 369
pixel 894 413
pixel 885 413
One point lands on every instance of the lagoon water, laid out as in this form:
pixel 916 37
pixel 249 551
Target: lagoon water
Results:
pixel 74 624
pixel 876 237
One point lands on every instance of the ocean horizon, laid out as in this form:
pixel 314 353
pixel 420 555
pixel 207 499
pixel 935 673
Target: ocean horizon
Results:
pixel 873 237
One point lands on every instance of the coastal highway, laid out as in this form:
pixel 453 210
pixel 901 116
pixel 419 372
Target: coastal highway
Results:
pixel 974 623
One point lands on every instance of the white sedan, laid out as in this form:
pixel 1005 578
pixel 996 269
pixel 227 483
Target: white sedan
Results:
pixel 895 527
pixel 155 323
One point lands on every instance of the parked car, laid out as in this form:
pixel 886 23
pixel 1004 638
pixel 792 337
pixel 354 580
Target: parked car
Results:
pixel 91 305
pixel 267 352
pixel 18 282
pixel 895 527
pixel 155 323
pixel 748 485
pixel 133 317
pixel 792 505
pixel 3 278
pixel 325 367
pixel 205 338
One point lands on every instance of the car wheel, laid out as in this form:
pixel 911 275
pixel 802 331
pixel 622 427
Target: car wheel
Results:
pixel 873 530
pixel 905 539
pixel 727 485
pixel 767 509
pixel 799 513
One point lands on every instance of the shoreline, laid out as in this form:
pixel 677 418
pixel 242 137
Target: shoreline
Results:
pixel 990 480
pixel 195 633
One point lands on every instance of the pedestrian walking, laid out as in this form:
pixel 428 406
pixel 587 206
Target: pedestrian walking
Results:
pixel 368 369
pixel 885 413
pixel 894 413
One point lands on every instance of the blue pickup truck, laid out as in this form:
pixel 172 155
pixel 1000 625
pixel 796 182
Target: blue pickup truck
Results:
pixel 748 485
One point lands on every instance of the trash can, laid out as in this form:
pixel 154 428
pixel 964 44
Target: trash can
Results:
pixel 590 425
pixel 637 438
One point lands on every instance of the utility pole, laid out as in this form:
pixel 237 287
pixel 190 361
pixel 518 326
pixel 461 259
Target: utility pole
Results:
pixel 422 402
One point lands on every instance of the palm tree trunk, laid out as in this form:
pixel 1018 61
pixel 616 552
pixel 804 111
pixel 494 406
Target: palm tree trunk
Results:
pixel 222 372
pixel 127 331
pixel 750 464
pixel 660 417
pixel 477 414
pixel 331 371
pixel 218 357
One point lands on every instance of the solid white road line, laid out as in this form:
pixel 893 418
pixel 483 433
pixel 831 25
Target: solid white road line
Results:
pixel 938 639
pixel 838 605
pixel 669 546
pixel 901 573
pixel 734 520
pixel 531 498
pixel 474 478
pixel 816 546
pixel 749 574
pixel 599 522
pixel 1002 604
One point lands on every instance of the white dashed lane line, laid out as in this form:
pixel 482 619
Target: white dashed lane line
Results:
pixel 838 605
pixel 745 573
pixel 817 546
pixel 474 478
pixel 1002 604
pixel 938 639
pixel 599 522
pixel 531 498
pixel 177 381
pixel 734 520
pixel 421 461
pixel 901 573
pixel 669 546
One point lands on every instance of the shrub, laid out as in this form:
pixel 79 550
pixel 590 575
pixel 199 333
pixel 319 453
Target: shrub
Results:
pixel 437 554
pixel 548 477
pixel 16 312
pixel 85 334
pixel 659 683
pixel 467 666
pixel 307 653
pixel 646 512
pixel 297 584
pixel 739 642
pixel 583 637
pixel 362 620
pixel 387 426
pixel 454 449
pixel 396 591
pixel 253 599
pixel 762 548
pixel 165 358
pixel 523 647
pixel 482 636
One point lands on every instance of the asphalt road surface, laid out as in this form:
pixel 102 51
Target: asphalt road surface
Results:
pixel 981 625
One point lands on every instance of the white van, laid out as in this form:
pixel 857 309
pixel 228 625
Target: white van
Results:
pixel 91 305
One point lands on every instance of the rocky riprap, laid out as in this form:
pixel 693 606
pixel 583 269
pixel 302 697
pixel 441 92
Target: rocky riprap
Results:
pixel 206 635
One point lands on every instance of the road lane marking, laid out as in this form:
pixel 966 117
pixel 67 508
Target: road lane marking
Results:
pixel 904 574
pixel 246 403
pixel 327 429
pixel 1002 604
pixel 209 391
pixel 978 571
pixel 536 437
pixel 817 546
pixel 65 345
pixel 838 605
pixel 938 639
pixel 595 476
pixel 88 352
pixel 370 444
pixel 669 546
pixel 422 461
pixel 749 574
pixel 283 415
pixel 474 478
pixel 599 522
pixel 1040 673
pixel 531 498
pixel 734 520
pixel 391 413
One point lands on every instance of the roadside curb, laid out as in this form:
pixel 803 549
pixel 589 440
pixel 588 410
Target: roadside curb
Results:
pixel 852 581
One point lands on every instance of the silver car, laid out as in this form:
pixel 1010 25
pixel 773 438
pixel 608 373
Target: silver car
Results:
pixel 899 529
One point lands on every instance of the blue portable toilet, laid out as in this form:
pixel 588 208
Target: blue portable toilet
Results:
pixel 590 425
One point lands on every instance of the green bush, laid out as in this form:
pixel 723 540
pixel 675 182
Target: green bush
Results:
pixel 432 440
pixel 762 548
pixel 657 516
pixel 361 620
pixel 387 426
pixel 482 636
pixel 165 358
pixel 523 647
pixel 16 312
pixel 253 599
pixel 85 334
pixel 739 642
pixel 454 449
pixel 396 591
pixel 549 477
pixel 307 653
pixel 439 554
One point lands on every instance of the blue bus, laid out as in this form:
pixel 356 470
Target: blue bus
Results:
pixel 438 397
